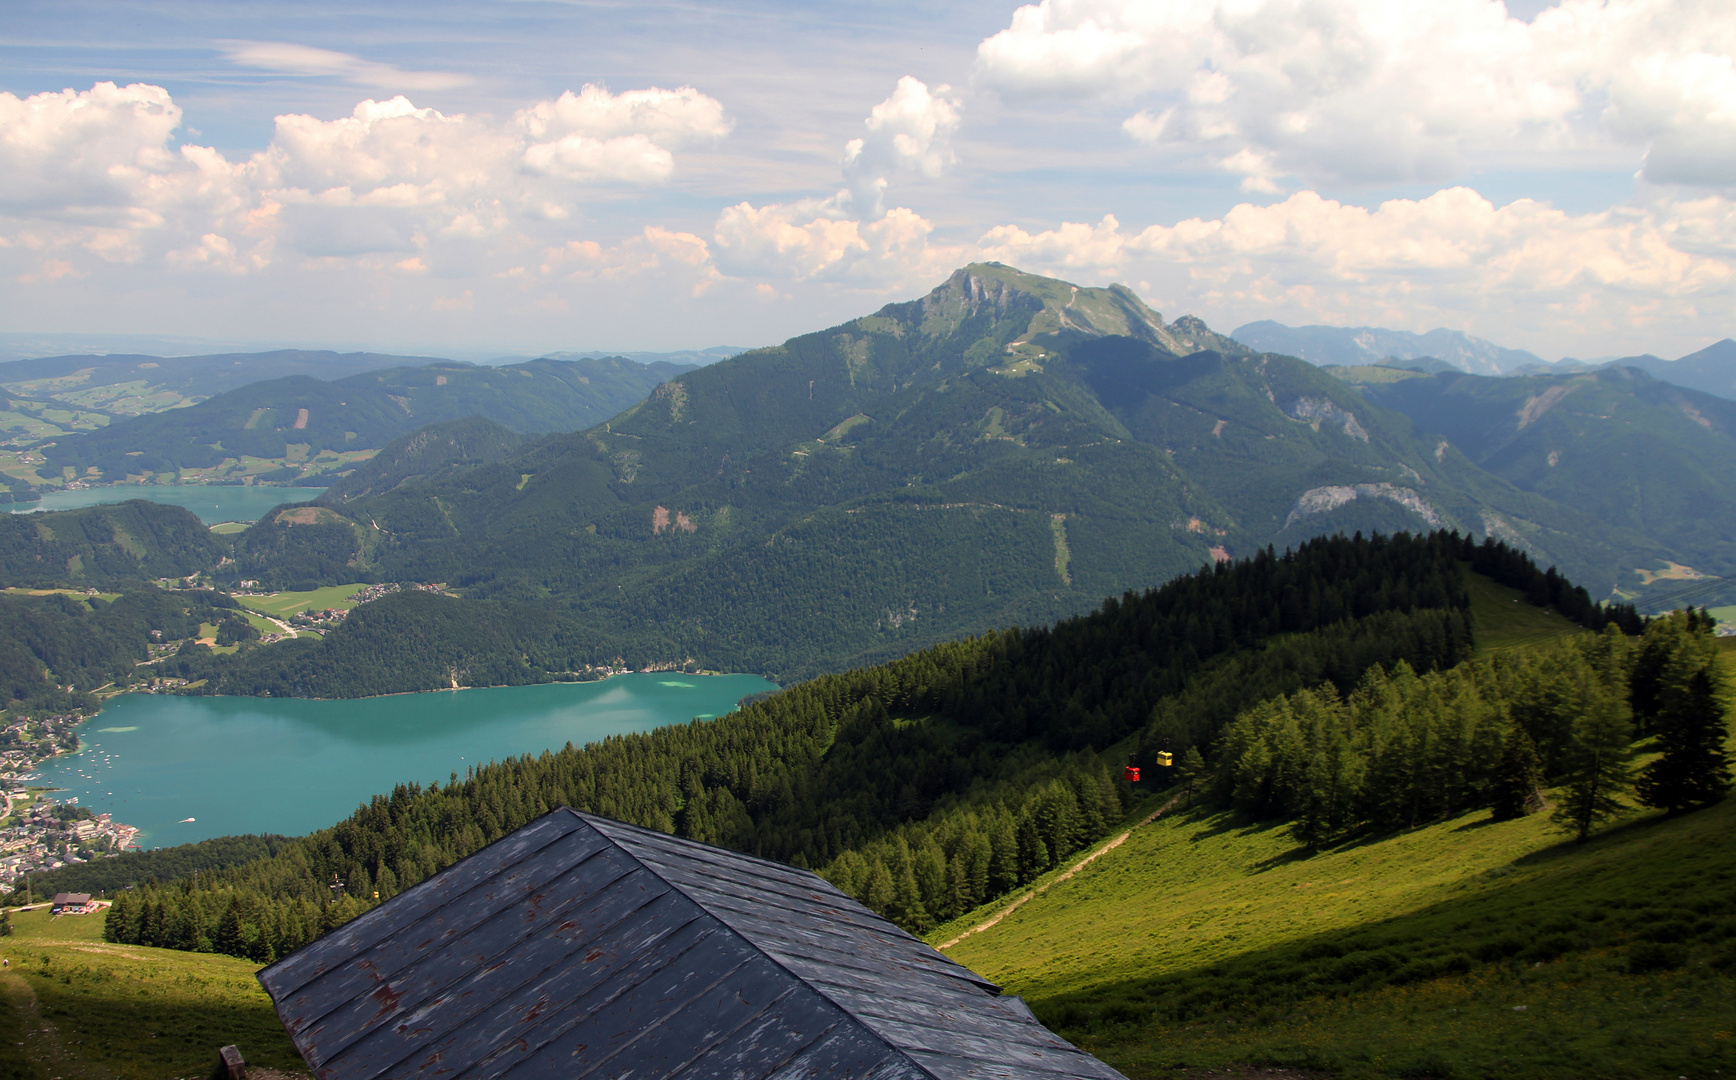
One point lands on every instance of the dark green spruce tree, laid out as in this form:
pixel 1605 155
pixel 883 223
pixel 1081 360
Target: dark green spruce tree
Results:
pixel 1516 788
pixel 1598 772
pixel 1692 728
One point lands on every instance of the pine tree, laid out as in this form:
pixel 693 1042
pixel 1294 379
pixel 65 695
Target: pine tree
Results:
pixel 1330 790
pixel 6 923
pixel 1673 646
pixel 1596 760
pixel 1192 775
pixel 1694 768
pixel 1516 788
pixel 879 890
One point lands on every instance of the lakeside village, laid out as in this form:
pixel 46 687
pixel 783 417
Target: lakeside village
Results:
pixel 38 832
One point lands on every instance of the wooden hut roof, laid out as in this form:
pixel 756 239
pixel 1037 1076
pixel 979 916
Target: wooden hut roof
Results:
pixel 584 947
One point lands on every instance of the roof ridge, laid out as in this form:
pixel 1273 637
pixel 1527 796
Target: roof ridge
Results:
pixel 849 1016
pixel 689 841
pixel 784 869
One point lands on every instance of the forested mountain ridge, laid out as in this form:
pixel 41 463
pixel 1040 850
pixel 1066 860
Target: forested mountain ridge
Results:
pixel 428 454
pixel 1711 370
pixel 935 782
pixel 298 417
pixel 124 542
pixel 1004 450
pixel 123 384
pixel 1613 443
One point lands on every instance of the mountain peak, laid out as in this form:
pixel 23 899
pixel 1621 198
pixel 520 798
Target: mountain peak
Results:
pixel 1057 309
pixel 1724 351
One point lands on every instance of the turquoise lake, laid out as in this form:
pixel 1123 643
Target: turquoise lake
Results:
pixel 212 502
pixel 268 765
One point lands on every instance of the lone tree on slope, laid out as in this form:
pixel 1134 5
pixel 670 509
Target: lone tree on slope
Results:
pixel 1516 789
pixel 1692 729
pixel 1598 773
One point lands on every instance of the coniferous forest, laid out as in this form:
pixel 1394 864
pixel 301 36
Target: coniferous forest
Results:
pixel 1333 687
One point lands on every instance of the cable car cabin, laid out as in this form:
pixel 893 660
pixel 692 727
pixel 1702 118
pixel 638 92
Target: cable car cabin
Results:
pixel 1131 772
pixel 1165 758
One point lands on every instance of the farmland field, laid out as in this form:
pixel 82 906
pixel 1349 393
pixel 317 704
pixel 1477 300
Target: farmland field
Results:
pixel 285 604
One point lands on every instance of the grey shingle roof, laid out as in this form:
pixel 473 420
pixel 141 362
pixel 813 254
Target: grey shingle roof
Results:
pixel 583 947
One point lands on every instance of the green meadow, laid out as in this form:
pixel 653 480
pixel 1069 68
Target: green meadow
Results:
pixel 83 1009
pixel 1501 619
pixel 1464 948
pixel 261 624
pixel 285 604
pixel 1467 948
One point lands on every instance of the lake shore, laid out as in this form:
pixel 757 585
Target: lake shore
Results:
pixel 294 765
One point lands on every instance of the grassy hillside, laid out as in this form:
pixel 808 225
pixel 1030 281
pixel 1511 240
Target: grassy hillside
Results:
pixel 1201 942
pixel 284 604
pixel 970 770
pixel 1502 619
pixel 1467 947
pixel 78 1008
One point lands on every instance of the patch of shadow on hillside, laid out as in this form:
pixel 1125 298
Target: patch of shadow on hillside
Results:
pixel 1480 823
pixel 1623 830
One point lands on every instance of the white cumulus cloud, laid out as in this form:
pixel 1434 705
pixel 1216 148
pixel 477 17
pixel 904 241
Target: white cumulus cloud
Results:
pixel 100 170
pixel 1370 90
pixel 1524 271
pixel 815 241
pixel 852 236
pixel 96 169
pixel 671 118
pixel 909 134
pixel 596 135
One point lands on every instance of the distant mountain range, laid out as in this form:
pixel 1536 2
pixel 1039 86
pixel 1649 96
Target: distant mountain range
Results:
pixel 1353 345
pixel 311 424
pixel 696 357
pixel 124 384
pixel 1712 369
pixel 1628 450
pixel 1007 449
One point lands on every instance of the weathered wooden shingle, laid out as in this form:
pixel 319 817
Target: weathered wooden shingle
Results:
pixel 583 947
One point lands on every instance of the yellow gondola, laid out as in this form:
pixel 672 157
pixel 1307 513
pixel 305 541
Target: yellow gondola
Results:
pixel 1165 758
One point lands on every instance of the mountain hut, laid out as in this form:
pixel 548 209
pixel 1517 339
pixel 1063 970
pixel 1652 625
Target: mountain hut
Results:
pixel 583 947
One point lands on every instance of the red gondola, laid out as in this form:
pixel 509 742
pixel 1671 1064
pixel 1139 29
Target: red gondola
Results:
pixel 1131 772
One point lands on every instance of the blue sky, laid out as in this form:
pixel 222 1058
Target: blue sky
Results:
pixel 433 175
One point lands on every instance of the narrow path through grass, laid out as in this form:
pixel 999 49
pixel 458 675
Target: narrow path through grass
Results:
pixel 1095 853
pixel 43 1051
